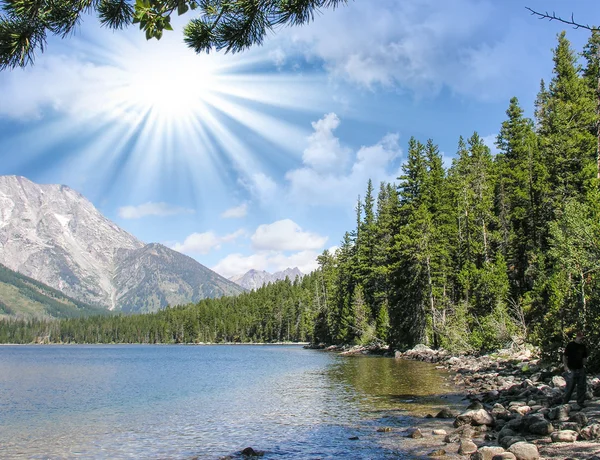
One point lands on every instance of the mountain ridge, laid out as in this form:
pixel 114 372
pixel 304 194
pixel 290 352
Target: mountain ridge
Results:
pixel 54 235
pixel 254 279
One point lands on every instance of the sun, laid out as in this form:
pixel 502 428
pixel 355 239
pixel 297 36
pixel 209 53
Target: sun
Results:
pixel 170 81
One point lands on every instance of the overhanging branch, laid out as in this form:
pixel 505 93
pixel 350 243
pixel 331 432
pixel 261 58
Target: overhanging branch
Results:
pixel 554 17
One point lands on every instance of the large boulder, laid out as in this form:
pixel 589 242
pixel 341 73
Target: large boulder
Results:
pixel 524 451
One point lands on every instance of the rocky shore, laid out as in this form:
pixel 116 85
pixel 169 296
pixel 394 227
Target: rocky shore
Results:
pixel 513 410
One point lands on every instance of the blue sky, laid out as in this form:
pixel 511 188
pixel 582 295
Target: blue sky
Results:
pixel 255 160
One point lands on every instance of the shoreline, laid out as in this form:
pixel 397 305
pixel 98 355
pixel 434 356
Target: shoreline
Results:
pixel 512 410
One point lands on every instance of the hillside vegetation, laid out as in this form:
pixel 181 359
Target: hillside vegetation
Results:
pixel 25 298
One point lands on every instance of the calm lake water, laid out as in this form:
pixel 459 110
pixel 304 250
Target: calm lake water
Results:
pixel 183 402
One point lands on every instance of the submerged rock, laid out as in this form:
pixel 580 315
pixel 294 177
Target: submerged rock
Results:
pixel 250 452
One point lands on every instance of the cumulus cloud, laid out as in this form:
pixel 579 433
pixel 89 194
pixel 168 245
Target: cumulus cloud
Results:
pixel 316 184
pixel 151 209
pixel 203 243
pixel 236 212
pixel 285 235
pixel 324 152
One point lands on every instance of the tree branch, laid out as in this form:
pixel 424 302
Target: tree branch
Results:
pixel 554 17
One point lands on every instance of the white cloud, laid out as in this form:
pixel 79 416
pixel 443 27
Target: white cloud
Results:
pixel 151 209
pixel 285 235
pixel 237 264
pixel 278 56
pixel 236 212
pixel 203 243
pixel 422 46
pixel 261 186
pixel 324 152
pixel 314 184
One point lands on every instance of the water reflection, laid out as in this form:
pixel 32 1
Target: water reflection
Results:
pixel 391 384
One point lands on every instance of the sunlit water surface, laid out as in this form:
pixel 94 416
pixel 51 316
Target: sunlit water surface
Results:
pixel 183 402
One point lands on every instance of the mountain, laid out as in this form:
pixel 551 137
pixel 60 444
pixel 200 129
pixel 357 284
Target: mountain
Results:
pixel 25 297
pixel 254 279
pixel 155 276
pixel 53 234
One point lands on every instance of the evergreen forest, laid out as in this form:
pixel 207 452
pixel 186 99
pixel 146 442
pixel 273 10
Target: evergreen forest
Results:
pixel 493 250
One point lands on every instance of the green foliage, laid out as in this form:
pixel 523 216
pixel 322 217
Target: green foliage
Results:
pixel 232 25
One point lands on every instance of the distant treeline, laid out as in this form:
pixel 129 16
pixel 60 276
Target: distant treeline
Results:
pixel 495 249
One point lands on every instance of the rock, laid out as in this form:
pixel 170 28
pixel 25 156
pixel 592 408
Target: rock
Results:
pixel 524 451
pixel 437 453
pixel 560 413
pixel 573 426
pixel 590 432
pixel 384 429
pixel 504 456
pixel 542 428
pixel 558 382
pixel 580 418
pixel 439 432
pixel 452 437
pixel 474 417
pixel 564 436
pixel 505 433
pixel 415 433
pixel 475 405
pixel 486 452
pixel 466 447
pixel 521 410
pixel 508 441
pixel 250 452
pixel 353 438
pixel 446 413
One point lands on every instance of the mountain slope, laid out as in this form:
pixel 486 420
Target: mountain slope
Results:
pixel 155 276
pixel 56 236
pixel 25 297
pixel 254 279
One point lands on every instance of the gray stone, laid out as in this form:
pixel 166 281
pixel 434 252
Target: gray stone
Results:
pixel 560 413
pixel 568 426
pixel 558 382
pixel 542 428
pixel 580 418
pixel 590 432
pixel 508 441
pixel 446 413
pixel 504 456
pixel 474 417
pixel 437 453
pixel 466 447
pixel 415 433
pixel 486 452
pixel 564 436
pixel 439 432
pixel 524 451
pixel 506 432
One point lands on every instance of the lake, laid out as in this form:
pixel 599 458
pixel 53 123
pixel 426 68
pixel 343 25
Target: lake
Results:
pixel 207 401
